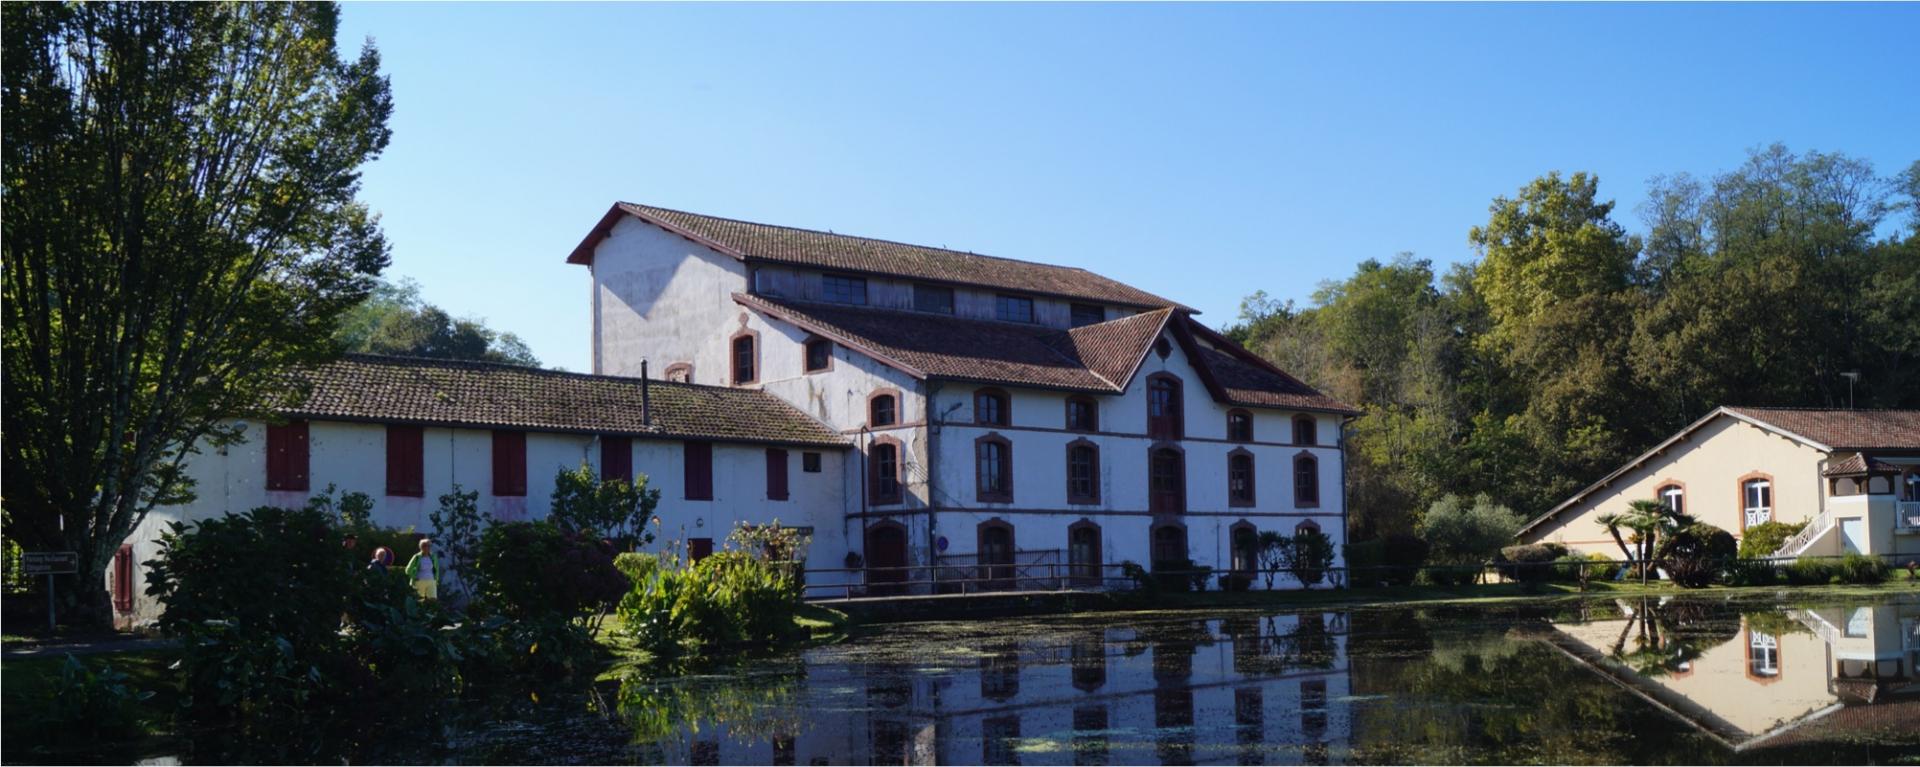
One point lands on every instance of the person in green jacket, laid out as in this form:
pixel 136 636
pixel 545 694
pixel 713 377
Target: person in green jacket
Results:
pixel 424 571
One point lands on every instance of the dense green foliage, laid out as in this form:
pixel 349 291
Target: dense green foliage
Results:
pixel 1572 344
pixel 614 508
pixel 743 597
pixel 1763 539
pixel 93 699
pixel 535 570
pixel 457 527
pixel 395 320
pixel 1394 560
pixel 181 230
pixel 1694 555
pixel 1530 562
pixel 1307 555
pixel 1465 536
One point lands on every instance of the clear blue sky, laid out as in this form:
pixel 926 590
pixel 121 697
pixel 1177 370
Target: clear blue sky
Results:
pixel 1197 151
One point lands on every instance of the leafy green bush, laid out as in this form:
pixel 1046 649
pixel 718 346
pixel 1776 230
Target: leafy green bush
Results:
pixel 1529 562
pixel 400 642
pixel 535 570
pixel 1694 556
pixel 1366 563
pixel 1596 567
pixel 737 598
pixel 1861 569
pixel 1405 555
pixel 614 508
pixel 457 528
pixel 1808 571
pixel 1763 539
pixel 89 701
pixel 1466 535
pixel 1753 572
pixel 1308 556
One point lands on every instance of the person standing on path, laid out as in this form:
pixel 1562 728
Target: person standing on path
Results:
pixel 424 572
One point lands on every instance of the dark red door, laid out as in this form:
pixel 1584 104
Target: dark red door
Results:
pixel 886 559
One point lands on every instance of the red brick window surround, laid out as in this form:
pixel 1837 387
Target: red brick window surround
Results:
pixel 992 407
pixel 883 471
pixel 1083 414
pixel 1239 425
pixel 1240 478
pixel 1166 479
pixel 818 355
pixel 744 357
pixel 1164 417
pixel 883 409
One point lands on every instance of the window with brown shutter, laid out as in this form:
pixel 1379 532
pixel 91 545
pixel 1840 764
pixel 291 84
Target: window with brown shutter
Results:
pixel 616 458
pixel 509 463
pixel 1163 406
pixel 287 456
pixel 776 474
pixel 699 548
pixel 405 474
pixel 123 578
pixel 699 470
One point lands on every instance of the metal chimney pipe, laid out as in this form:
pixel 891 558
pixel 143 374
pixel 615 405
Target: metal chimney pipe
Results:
pixel 646 399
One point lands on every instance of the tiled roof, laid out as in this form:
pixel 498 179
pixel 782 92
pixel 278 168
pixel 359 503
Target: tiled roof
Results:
pixel 1844 429
pixel 826 250
pixel 1857 464
pixel 491 395
pixel 1097 358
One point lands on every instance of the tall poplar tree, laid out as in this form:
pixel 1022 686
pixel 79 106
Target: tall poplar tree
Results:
pixel 180 229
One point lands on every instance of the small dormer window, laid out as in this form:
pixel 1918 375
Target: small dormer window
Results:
pixel 841 289
pixel 1013 308
pixel 1088 314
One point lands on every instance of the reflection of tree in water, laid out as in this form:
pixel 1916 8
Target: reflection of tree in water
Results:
pixel 1660 639
pixel 752 707
pixel 1262 648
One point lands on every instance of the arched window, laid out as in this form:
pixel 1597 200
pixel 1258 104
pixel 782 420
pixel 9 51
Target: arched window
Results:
pixel 746 357
pixel 1306 480
pixel 1756 499
pixel 883 471
pixel 1243 543
pixel 1083 414
pixel 819 353
pixel 1083 552
pixel 1303 430
pixel 1239 426
pixel 993 469
pixel 1673 496
pixel 1240 478
pixel 883 409
pixel 1305 526
pixel 1166 480
pixel 1163 406
pixel 679 372
pixel 1169 547
pixel 990 406
pixel 1083 472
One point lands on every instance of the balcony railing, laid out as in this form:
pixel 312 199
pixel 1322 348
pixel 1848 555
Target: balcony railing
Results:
pixel 1907 516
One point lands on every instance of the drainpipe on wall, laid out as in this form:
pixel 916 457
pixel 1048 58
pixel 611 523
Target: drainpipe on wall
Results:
pixel 646 399
pixel 1346 513
pixel 933 430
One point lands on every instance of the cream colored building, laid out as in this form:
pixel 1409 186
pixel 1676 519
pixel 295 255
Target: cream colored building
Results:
pixel 1854 475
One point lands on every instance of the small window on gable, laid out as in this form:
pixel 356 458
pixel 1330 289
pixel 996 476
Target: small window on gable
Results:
pixel 882 410
pixel 841 289
pixel 1013 308
pixel 679 372
pixel 810 462
pixel 1083 414
pixel 937 299
pixel 990 407
pixel 746 361
pixel 1303 428
pixel 1239 426
pixel 1674 498
pixel 1088 314
pixel 819 355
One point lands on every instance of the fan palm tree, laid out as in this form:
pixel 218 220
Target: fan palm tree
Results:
pixel 1648 520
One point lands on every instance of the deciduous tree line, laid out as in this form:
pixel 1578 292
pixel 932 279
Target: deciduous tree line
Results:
pixel 1571 343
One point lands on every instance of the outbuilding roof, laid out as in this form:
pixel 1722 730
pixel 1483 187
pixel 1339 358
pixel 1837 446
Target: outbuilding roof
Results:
pixel 812 248
pixel 1844 429
pixel 365 387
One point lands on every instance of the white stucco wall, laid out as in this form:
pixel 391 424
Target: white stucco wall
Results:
pixel 661 297
pixel 352 457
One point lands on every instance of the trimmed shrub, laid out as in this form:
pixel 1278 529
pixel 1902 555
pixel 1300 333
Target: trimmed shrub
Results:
pixel 1528 563
pixel 1390 561
pixel 1753 572
pixel 1763 539
pixel 1366 562
pixel 1597 567
pixel 1810 572
pixel 1693 556
pixel 1859 568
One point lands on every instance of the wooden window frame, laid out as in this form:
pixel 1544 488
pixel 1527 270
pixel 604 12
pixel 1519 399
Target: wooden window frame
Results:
pixel 1092 497
pixel 1155 504
pixel 1240 413
pixel 898 416
pixel 1252 482
pixel 810 462
pixel 1660 492
pixel 1300 499
pixel 999 306
pixel 1006 406
pixel 995 574
pixel 1312 427
pixel 1171 426
pixel 733 357
pixel 1253 556
pixel 1773 496
pixel 874 495
pixel 406 460
pixel 952 298
pixel 806 355
pixel 1093 413
pixel 1082 573
pixel 1153 541
pixel 1074 314
pixel 852 281
pixel 509 478
pixel 980 491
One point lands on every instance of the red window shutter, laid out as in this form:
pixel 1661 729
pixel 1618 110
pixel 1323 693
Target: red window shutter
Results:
pixel 509 463
pixel 616 458
pixel 287 456
pixel 699 471
pixel 123 578
pixel 699 548
pixel 405 474
pixel 776 474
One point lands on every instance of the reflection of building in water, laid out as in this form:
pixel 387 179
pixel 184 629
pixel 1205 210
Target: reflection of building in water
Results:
pixel 1779 673
pixel 1255 690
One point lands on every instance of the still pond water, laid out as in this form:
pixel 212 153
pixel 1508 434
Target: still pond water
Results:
pixel 1677 680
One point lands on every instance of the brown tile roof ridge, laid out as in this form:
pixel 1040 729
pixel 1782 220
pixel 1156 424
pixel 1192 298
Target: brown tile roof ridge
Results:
pixel 1099 287
pixel 1841 428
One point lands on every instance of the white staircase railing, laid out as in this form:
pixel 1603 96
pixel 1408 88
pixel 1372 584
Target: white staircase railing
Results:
pixel 1807 536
